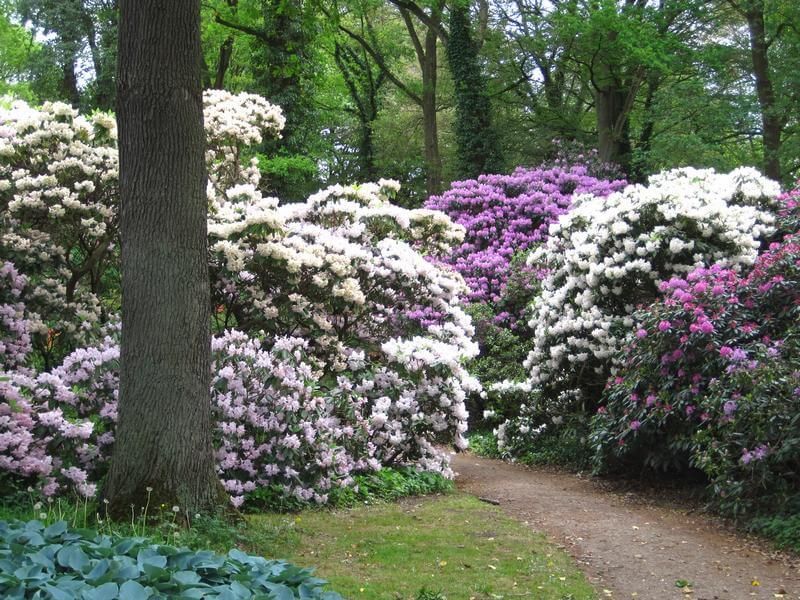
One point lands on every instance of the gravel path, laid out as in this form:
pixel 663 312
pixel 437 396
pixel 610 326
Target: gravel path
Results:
pixel 629 548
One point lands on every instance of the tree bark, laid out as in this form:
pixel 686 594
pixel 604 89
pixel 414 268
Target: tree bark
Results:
pixel 433 159
pixel 772 125
pixel 163 451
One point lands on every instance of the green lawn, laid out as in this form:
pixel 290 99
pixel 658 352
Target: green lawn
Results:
pixel 451 544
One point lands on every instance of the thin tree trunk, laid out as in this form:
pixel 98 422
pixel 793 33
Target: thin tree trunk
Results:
pixel 163 450
pixel 69 83
pixel 433 159
pixel 772 125
pixel 225 52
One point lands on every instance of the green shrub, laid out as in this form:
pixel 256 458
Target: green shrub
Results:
pixel 383 485
pixel 64 564
pixel 783 529
pixel 391 484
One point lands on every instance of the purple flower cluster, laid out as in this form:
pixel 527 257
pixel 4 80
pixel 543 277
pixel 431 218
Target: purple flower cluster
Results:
pixel 507 214
pixel 276 427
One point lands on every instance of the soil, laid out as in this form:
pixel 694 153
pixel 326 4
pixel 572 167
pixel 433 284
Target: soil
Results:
pixel 633 544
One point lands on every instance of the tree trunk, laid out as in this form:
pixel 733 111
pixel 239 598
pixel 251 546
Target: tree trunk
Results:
pixel 69 83
pixel 772 124
pixel 224 61
pixel 477 147
pixel 163 451
pixel 613 124
pixel 433 160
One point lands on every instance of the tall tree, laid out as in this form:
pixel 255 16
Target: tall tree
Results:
pixel 281 53
pixel 163 450
pixel 363 81
pixel 424 26
pixel 476 139
pixel 772 121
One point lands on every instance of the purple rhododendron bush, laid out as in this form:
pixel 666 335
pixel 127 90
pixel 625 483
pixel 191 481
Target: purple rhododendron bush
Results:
pixel 504 216
pixel 712 381
pixel 339 348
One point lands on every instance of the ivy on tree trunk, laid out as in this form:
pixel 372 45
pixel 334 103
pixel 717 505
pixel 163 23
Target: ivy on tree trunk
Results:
pixel 476 139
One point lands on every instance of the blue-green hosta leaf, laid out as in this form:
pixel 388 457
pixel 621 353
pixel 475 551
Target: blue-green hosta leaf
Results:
pixel 7 566
pixel 149 556
pixel 278 591
pixel 107 591
pixel 73 557
pixel 133 590
pixel 126 545
pixel 186 578
pixel 181 560
pixel 55 530
pixel 99 570
pixel 13 593
pixel 32 574
pixel 58 594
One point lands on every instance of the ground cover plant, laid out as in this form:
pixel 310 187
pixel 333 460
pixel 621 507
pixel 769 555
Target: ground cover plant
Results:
pixel 63 564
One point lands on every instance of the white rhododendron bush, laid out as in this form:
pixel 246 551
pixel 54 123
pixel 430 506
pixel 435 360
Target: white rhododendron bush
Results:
pixel 606 257
pixel 338 347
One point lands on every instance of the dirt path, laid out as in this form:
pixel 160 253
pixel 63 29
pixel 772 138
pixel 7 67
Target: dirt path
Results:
pixel 630 550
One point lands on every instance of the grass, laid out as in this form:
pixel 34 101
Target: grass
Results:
pixel 452 545
pixel 443 547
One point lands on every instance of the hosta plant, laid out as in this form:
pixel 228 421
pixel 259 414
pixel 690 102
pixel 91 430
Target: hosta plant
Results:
pixel 59 563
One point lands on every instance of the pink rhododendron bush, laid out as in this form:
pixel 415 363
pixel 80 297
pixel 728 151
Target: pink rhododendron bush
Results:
pixel 338 351
pixel 712 381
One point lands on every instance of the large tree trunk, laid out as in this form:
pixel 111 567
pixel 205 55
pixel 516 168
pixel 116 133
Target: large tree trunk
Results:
pixel 163 449
pixel 772 124
pixel 613 144
pixel 69 83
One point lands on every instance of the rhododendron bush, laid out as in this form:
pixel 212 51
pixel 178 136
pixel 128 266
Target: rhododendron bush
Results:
pixel 713 381
pixel 505 215
pixel 339 347
pixel 58 174
pixel 607 255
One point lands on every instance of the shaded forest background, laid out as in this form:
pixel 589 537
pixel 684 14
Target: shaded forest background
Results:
pixel 427 92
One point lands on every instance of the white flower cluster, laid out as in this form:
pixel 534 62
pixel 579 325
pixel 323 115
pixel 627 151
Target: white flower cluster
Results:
pixel 606 255
pixel 340 271
pixel 58 210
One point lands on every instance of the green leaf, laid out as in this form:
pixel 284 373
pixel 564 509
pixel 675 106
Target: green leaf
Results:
pixel 186 577
pixel 278 591
pixel 56 529
pixel 107 591
pixel 58 594
pixel 100 569
pixel 133 590
pixel 72 557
